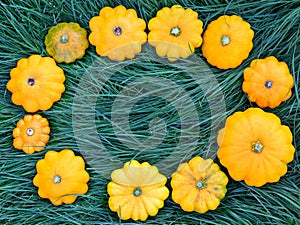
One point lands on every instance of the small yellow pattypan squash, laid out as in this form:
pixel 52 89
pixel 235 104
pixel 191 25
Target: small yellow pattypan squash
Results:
pixel 61 177
pixel 36 83
pixel 198 185
pixel 175 32
pixel 31 134
pixel 255 147
pixel 137 191
pixel 66 42
pixel 117 33
pixel 227 42
pixel 268 82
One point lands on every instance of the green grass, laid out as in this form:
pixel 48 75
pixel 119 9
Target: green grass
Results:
pixel 23 26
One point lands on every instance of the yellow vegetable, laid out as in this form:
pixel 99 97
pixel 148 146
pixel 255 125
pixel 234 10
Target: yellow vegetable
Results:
pixel 31 134
pixel 36 83
pixel 268 82
pixel 61 176
pixel 175 32
pixel 137 191
pixel 117 33
pixel 198 185
pixel 255 147
pixel 227 42
pixel 66 42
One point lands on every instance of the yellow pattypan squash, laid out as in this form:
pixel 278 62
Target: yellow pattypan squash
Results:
pixel 255 147
pixel 268 82
pixel 36 83
pixel 137 191
pixel 66 42
pixel 117 33
pixel 61 176
pixel 227 42
pixel 31 134
pixel 198 185
pixel 175 32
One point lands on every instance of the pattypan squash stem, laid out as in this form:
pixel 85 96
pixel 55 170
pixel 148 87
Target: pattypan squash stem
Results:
pixel 117 30
pixel 200 185
pixel 175 31
pixel 29 131
pixel 30 81
pixel 268 84
pixel 137 192
pixel 64 38
pixel 257 147
pixel 225 40
pixel 57 179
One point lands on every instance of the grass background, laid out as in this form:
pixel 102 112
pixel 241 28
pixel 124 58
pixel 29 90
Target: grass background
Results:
pixel 23 26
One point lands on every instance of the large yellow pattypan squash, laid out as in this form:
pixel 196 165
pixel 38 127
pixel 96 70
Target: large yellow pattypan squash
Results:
pixel 61 177
pixel 117 33
pixel 175 32
pixel 227 41
pixel 198 185
pixel 137 191
pixel 36 83
pixel 255 147
pixel 268 82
